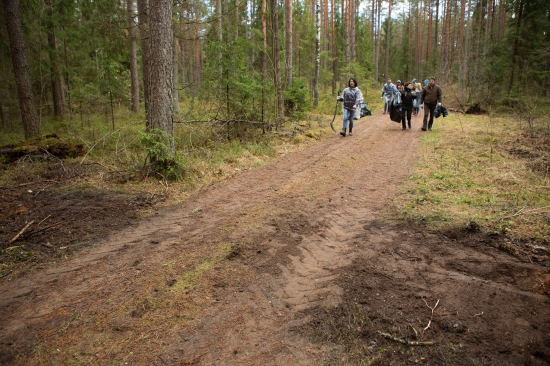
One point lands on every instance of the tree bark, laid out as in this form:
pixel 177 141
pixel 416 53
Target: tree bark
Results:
pixel 219 30
pixel 134 80
pixel 29 116
pixel 143 16
pixel 317 53
pixel 197 53
pixel 388 36
pixel 430 42
pixel 175 94
pixel 518 17
pixel 264 53
pixel 478 37
pixel 288 42
pixel 377 52
pixel 160 110
pixel 334 50
pixel 353 49
pixel 277 58
pixel 436 35
pixel 56 78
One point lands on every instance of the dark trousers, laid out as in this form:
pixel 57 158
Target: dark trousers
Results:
pixel 406 113
pixel 428 108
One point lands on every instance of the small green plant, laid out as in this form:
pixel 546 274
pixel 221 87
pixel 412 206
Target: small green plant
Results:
pixel 162 159
pixel 296 98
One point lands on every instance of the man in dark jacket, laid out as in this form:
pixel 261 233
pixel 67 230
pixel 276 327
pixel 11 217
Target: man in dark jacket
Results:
pixel 430 97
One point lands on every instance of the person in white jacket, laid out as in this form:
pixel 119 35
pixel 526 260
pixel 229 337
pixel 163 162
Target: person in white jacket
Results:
pixel 387 91
pixel 352 98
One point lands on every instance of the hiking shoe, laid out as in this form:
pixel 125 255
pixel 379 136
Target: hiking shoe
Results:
pixel 343 133
pixel 429 129
pixel 350 134
pixel 423 128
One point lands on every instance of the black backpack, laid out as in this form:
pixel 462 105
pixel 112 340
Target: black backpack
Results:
pixel 364 109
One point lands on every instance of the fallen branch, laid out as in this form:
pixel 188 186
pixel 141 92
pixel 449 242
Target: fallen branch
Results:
pixel 21 232
pixel 521 212
pixel 43 220
pixel 431 317
pixel 403 341
pixel 44 228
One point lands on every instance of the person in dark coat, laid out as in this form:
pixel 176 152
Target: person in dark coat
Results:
pixel 408 95
pixel 430 97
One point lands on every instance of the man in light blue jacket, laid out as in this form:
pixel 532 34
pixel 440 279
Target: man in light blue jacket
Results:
pixel 387 91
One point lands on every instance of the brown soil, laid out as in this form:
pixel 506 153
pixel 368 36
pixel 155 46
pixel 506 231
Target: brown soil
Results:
pixel 314 274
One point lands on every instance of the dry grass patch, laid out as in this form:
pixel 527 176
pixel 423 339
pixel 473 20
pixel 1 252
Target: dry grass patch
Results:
pixel 469 173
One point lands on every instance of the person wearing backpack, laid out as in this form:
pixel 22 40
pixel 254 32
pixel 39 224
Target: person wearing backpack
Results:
pixel 351 97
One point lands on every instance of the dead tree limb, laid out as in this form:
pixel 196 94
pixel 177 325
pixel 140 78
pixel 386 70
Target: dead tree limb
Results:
pixel 431 317
pixel 21 232
pixel 403 341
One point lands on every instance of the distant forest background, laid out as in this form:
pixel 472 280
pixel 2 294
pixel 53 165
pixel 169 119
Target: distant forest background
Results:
pixel 258 60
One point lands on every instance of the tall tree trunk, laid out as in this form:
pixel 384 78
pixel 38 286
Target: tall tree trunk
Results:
pixel 29 115
pixel 353 31
pixel 237 20
pixel 430 27
pixel 547 68
pixel 446 41
pixel 143 16
pixel 489 22
pixel 461 26
pixel 388 36
pixel 333 46
pixel 502 19
pixel 372 21
pixel 317 53
pixel 197 79
pixel 348 31
pixel 478 38
pixel 436 33
pixel 134 80
pixel 324 31
pixel 219 30
pixel 466 51
pixel 378 40
pixel 264 35
pixel 57 80
pixel 288 42
pixel 175 94
pixel 277 58
pixel 264 52
pixel 184 49
pixel 160 110
pixel 518 17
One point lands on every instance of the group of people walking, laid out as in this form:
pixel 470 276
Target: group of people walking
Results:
pixel 411 95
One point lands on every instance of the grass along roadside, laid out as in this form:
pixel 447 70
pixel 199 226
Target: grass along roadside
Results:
pixel 469 173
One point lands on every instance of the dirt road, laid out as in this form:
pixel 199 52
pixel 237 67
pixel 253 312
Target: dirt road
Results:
pixel 313 277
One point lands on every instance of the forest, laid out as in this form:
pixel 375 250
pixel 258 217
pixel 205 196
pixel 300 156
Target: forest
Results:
pixel 172 193
pixel 256 61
